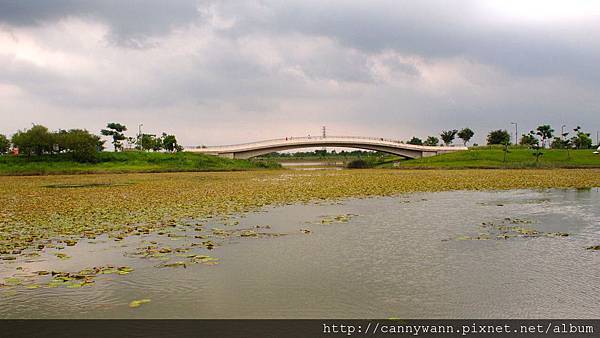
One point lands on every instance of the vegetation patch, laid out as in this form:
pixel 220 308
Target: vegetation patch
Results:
pixel 501 157
pixel 88 185
pixel 35 219
pixel 125 162
pixel 510 228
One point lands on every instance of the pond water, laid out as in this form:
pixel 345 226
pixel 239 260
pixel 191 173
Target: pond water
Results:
pixel 313 165
pixel 458 254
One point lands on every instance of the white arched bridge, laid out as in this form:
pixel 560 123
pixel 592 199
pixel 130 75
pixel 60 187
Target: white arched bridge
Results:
pixel 248 150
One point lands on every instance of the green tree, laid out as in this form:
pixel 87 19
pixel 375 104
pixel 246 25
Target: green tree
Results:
pixel 448 136
pixel 545 132
pixel 169 143
pixel 499 136
pixel 416 141
pixel 581 140
pixel 4 144
pixel 465 134
pixel 567 143
pixel 431 141
pixel 558 143
pixel 505 150
pixel 537 149
pixel 115 130
pixel 528 140
pixel 35 141
pixel 149 142
pixel 82 145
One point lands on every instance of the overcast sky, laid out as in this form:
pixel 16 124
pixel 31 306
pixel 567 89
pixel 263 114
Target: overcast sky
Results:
pixel 218 72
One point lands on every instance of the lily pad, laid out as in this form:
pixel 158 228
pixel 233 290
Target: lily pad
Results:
pixel 138 303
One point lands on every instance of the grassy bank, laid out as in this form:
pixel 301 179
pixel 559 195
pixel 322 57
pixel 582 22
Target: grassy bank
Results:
pixel 125 162
pixel 493 157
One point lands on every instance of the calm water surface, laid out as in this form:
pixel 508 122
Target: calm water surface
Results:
pixel 408 256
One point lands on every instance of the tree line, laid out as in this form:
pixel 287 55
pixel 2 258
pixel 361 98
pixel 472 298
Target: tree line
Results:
pixel 80 144
pixel 145 142
pixel 447 136
pixel 543 137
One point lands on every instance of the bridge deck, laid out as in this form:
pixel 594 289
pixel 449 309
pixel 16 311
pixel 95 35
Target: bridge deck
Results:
pixel 246 150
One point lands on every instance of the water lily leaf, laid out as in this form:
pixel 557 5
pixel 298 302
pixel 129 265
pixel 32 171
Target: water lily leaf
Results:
pixel 61 255
pixel 12 281
pixel 138 303
pixel 124 270
pixel 248 233
pixel 174 265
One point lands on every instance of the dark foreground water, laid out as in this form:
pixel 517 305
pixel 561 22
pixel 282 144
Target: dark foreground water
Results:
pixel 450 254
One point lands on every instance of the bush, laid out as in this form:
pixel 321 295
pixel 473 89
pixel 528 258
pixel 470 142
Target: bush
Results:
pixel 4 144
pixel 360 164
pixel 82 145
pixel 79 143
pixel 35 141
pixel 415 141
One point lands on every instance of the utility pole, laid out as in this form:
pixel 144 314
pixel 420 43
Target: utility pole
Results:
pixel 324 136
pixel 516 132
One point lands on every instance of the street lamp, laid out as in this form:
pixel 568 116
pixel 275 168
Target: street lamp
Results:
pixel 516 132
pixel 140 138
pixel 562 131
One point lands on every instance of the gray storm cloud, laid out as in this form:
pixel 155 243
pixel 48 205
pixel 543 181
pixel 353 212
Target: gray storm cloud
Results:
pixel 219 72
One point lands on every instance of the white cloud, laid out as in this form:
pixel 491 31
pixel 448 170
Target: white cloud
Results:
pixel 232 72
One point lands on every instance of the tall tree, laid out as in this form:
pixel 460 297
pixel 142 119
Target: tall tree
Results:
pixel 4 144
pixel 448 136
pixel 545 132
pixel 465 134
pixel 115 130
pixel 431 141
pixel 499 136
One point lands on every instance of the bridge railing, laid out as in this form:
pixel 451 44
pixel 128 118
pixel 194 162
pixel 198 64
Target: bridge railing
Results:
pixel 299 138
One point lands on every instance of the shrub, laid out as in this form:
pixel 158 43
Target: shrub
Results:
pixel 360 164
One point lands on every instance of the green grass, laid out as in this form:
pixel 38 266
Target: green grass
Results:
pixel 125 162
pixel 518 157
pixel 132 162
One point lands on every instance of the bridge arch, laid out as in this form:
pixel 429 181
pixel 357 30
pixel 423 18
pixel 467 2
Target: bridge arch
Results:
pixel 249 150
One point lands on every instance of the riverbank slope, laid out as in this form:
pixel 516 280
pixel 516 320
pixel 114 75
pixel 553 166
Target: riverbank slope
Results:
pixel 494 157
pixel 125 162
